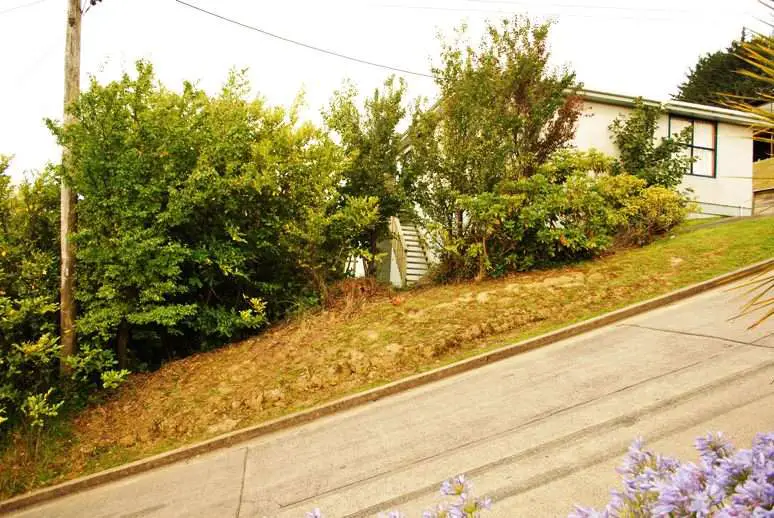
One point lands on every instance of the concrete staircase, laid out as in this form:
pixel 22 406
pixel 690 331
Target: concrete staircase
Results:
pixel 416 258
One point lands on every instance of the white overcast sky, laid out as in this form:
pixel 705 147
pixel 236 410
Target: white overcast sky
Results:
pixel 624 46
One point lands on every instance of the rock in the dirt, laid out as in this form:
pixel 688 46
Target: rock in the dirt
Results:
pixel 482 297
pixel 226 425
pixel 359 362
pixel 225 389
pixel 393 349
pixel 474 332
pixel 127 441
pixel 274 395
pixel 255 403
pixel 369 336
pixel 564 281
pixel 309 384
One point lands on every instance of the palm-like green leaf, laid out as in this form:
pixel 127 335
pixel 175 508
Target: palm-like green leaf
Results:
pixel 759 53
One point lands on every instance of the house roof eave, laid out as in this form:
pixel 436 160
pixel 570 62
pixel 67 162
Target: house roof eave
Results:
pixel 699 111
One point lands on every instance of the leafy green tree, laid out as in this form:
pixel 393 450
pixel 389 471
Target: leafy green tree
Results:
pixel 29 221
pixel 371 139
pixel 657 161
pixel 198 215
pixel 29 241
pixel 501 114
pixel 716 76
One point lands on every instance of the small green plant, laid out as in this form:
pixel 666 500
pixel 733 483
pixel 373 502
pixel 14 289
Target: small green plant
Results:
pixel 112 379
pixel 37 410
pixel 90 363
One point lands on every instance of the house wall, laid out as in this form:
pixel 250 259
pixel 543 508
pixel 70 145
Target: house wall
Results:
pixel 387 269
pixel 729 193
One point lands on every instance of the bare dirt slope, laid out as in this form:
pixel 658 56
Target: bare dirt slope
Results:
pixel 371 337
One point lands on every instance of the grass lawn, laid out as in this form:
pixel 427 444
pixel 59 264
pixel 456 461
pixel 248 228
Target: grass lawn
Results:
pixel 365 342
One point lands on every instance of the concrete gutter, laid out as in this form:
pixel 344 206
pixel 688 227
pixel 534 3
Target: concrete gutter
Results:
pixel 239 436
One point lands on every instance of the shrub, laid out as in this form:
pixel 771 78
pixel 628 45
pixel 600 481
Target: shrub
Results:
pixel 641 213
pixel 112 379
pixel 27 369
pixel 201 217
pixel 655 212
pixel 573 209
pixel 726 483
pixel 32 391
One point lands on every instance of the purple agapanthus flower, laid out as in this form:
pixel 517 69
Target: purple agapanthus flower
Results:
pixel 727 484
pixel 456 486
pixel 440 511
pixel 714 447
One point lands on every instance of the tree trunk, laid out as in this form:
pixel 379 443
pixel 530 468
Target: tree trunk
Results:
pixel 67 310
pixel 374 249
pixel 122 344
pixel 482 259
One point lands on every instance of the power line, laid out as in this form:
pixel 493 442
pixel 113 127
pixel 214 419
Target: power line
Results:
pixel 22 6
pixel 302 44
pixel 581 6
pixel 91 3
pixel 597 16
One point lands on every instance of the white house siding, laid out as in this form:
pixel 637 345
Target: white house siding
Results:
pixel 729 193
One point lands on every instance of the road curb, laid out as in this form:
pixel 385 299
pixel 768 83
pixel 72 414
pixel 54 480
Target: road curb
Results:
pixel 356 400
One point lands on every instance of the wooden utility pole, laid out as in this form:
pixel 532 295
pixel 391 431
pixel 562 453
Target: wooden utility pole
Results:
pixel 67 308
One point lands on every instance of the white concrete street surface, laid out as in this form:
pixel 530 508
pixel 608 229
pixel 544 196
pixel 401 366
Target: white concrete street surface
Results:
pixel 537 432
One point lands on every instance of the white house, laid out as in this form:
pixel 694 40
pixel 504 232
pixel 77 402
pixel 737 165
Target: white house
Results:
pixel 721 177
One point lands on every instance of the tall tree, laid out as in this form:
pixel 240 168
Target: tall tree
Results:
pixel 372 141
pixel 502 112
pixel 717 75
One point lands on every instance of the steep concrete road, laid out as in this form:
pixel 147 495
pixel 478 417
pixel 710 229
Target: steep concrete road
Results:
pixel 538 432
